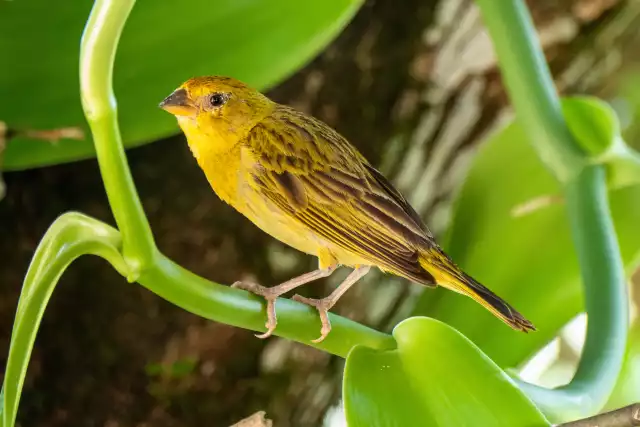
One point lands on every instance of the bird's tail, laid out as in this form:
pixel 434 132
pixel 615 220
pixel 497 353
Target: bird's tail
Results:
pixel 450 276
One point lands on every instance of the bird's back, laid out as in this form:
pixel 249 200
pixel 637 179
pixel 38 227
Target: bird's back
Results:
pixel 309 187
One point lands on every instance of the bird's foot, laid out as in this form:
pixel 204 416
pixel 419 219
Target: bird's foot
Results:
pixel 270 295
pixel 323 306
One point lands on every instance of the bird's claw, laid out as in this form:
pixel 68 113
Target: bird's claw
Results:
pixel 270 297
pixel 254 288
pixel 323 309
pixel 272 320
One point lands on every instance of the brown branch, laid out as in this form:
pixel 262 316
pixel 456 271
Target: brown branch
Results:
pixel 53 135
pixel 50 135
pixel 256 420
pixel 629 416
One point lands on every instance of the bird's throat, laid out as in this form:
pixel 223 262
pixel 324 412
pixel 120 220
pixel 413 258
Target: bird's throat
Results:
pixel 220 166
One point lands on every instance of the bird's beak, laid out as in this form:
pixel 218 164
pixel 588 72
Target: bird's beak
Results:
pixel 179 104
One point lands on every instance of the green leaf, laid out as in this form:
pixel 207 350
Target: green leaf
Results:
pixel 623 167
pixel 627 102
pixel 527 258
pixel 153 369
pixel 164 43
pixel 178 369
pixel 596 127
pixel 592 122
pixel 436 377
pixel 182 368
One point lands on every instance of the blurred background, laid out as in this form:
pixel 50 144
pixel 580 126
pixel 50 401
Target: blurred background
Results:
pixel 413 84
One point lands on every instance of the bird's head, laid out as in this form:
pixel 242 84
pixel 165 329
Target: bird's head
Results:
pixel 217 109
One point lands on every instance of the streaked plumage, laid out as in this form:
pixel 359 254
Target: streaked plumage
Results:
pixel 304 184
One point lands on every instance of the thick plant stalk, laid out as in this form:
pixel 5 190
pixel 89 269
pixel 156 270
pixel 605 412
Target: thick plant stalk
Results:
pixel 69 237
pixel 97 57
pixel 605 298
pixel 73 235
pixel 537 106
pixel 530 85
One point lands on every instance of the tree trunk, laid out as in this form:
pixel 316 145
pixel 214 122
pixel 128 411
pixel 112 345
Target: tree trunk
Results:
pixel 413 84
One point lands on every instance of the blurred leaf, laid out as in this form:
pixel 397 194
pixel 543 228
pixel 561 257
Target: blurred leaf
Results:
pixel 592 122
pixel 596 127
pixel 627 104
pixel 182 368
pixel 153 369
pixel 178 369
pixel 436 377
pixel 164 44
pixel 3 145
pixel 526 258
pixel 627 389
pixel 623 166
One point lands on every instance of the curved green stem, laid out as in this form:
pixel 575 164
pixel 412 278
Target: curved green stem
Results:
pixel 236 307
pixel 69 237
pixel 606 291
pixel 73 235
pixel 537 106
pixel 530 86
pixel 97 55
pixel 605 300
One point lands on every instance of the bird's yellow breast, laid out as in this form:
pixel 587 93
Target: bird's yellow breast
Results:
pixel 219 159
pixel 282 226
pixel 266 215
pixel 228 173
pixel 228 167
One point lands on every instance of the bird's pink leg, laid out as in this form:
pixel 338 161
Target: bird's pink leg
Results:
pixel 325 304
pixel 270 294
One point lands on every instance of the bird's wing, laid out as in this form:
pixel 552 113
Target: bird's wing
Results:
pixel 314 175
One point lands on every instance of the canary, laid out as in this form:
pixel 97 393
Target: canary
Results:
pixel 306 185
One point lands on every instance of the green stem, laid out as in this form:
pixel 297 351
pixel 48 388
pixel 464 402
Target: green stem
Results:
pixel 69 237
pixel 605 300
pixel 73 235
pixel 530 86
pixel 537 106
pixel 606 297
pixel 97 55
pixel 236 307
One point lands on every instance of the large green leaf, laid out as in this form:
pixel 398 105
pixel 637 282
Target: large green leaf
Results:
pixel 527 259
pixel 436 377
pixel 164 43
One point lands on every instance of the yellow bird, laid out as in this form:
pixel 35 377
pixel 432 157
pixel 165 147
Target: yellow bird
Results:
pixel 307 186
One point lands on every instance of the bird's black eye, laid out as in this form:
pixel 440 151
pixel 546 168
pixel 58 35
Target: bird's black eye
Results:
pixel 217 99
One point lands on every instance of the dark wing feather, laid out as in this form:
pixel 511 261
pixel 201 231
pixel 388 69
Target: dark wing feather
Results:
pixel 314 175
